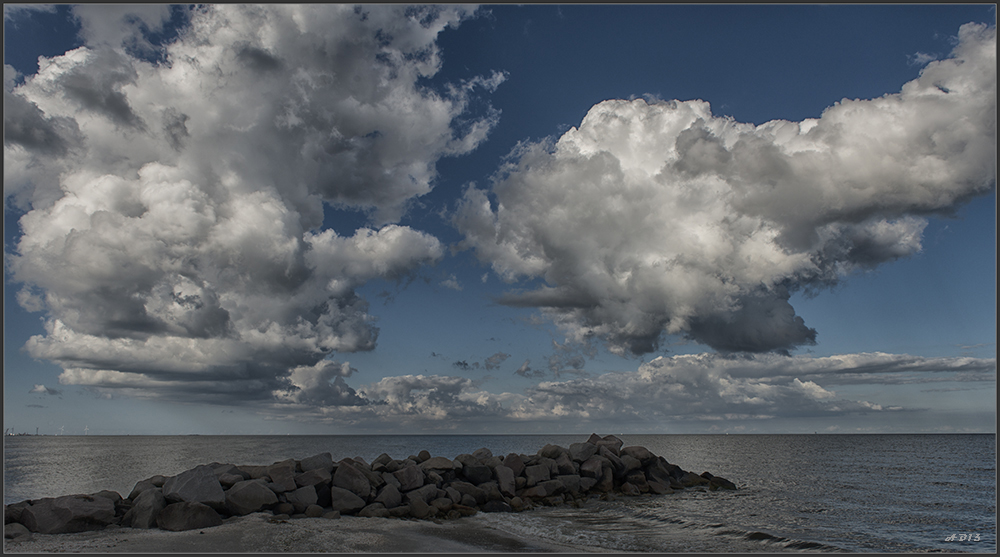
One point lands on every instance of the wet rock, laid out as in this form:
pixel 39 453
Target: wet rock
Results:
pixel 638 479
pixel 536 473
pixel 629 489
pixel 616 463
pixel 187 515
pixel 691 479
pixel 249 496
pixel 400 511
pixel 443 504
pixel 283 508
pixel 659 488
pixel 477 473
pixel 505 480
pixel 571 482
pixel 70 513
pixel 717 482
pixel 497 507
pixel 477 494
pixel 144 509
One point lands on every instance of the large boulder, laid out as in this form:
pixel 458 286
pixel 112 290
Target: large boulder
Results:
pixel 552 451
pixel 15 530
pixel 477 473
pixel 389 496
pixel 302 498
pixel 571 482
pixel 144 509
pixel 313 477
pixel 616 463
pixel 344 501
pixel 591 468
pixel 505 480
pixel 426 493
pixel 70 513
pixel 350 478
pixel 580 452
pixel 536 473
pixel 410 478
pixel 198 485
pixel 482 454
pixel 248 497
pixel 514 462
pixel 437 463
pixel 641 454
pixel 374 510
pixel 282 475
pixel 545 489
pixel 466 488
pixel 140 486
pixel 187 515
pixel 630 463
pixel 611 442
pixel 564 465
pixel 322 461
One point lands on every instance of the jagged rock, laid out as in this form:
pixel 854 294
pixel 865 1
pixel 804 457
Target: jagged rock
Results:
pixel 592 467
pixel 571 482
pixel 434 478
pixel 312 477
pixel 658 472
pixel 229 480
pixel 465 488
pixel 492 462
pixel 477 473
pixel 140 486
pixel 12 512
pixel 496 507
pixel 374 478
pixel 536 473
pixel 630 463
pixel 389 496
pixel 629 489
pixel 580 452
pixel 552 451
pixel 550 463
pixel 374 510
pixel 425 493
pixel 410 477
pixel 691 479
pixel 659 488
pixel 491 490
pixel 606 482
pixel 442 504
pixel 637 479
pixel 437 463
pixel 187 515
pixel 332 515
pixel 344 501
pixel 466 459
pixel 198 485
pixel 15 530
pixel 641 454
pixel 465 510
pixel 517 504
pixel 544 489
pixel 282 474
pixel 594 439
pixel 423 456
pixel 616 463
pixel 482 454
pixel 505 480
pixel 314 511
pixel 468 500
pixel 70 513
pixel 400 511
pixel 382 459
pixel 144 509
pixel 586 484
pixel 228 469
pixel 254 472
pixel 302 498
pixel 350 478
pixel 249 496
pixel 393 465
pixel 717 482
pixel 611 442
pixel 322 461
pixel 564 465
pixel 391 479
pixel 420 509
pixel 515 463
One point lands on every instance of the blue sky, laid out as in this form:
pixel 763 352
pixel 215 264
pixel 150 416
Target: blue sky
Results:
pixel 505 219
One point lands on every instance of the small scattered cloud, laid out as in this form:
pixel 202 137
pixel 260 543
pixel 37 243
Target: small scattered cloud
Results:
pixel 494 361
pixel 452 283
pixel 43 390
pixel 465 366
pixel 526 371
pixel 920 58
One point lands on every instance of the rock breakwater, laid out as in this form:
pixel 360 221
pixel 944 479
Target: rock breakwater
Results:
pixel 420 486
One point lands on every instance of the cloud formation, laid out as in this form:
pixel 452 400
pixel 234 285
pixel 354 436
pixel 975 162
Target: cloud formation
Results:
pixel 704 388
pixel 172 208
pixel 657 217
pixel 43 390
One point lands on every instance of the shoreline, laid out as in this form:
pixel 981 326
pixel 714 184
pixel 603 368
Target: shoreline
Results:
pixel 260 533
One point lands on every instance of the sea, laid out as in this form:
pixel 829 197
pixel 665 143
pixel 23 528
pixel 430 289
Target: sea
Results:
pixel 796 493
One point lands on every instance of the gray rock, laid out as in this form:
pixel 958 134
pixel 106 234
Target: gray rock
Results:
pixel 332 515
pixel 594 439
pixel 70 513
pixel 591 468
pixel 198 485
pixel 536 474
pixel 322 461
pixel 420 509
pixel 350 478
pixel 389 496
pixel 229 480
pixel 611 441
pixel 382 459
pixel 659 488
pixel 312 477
pixel 544 489
pixel 454 494
pixel 505 480
pixel 302 498
pixel 442 504
pixel 249 496
pixel 410 478
pixel 374 510
pixel 344 501
pixel 564 465
pixel 550 462
pixel 482 454
pixel 158 480
pixel 390 479
pixel 224 469
pixel 144 509
pixel 631 463
pixel 466 488
pixel 283 508
pixel 629 489
pixel 717 482
pixel 254 472
pixel 437 463
pixel 691 479
pixel 15 530
pixel 607 480
pixel 282 474
pixel 637 479
pixel 515 463
pixel 140 486
pixel 314 511
pixel 586 484
pixel 477 473
pixel 658 472
pixel 423 456
pixel 616 463
pixel 571 482
pixel 497 507
pixel 580 452
pixel 467 459
pixel 641 454
pixel 468 500
pixel 187 515
pixel 552 451
pixel 426 493
pixel 492 462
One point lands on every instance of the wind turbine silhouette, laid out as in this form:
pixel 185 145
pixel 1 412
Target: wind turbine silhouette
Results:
pixel 86 429
pixel 61 429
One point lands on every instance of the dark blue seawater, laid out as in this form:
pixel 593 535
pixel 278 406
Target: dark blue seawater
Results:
pixel 819 493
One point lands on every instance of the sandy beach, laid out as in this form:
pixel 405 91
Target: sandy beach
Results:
pixel 260 533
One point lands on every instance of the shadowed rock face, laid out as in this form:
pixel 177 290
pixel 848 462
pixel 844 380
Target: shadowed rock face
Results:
pixel 421 486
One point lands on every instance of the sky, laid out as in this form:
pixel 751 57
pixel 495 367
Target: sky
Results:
pixel 329 219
